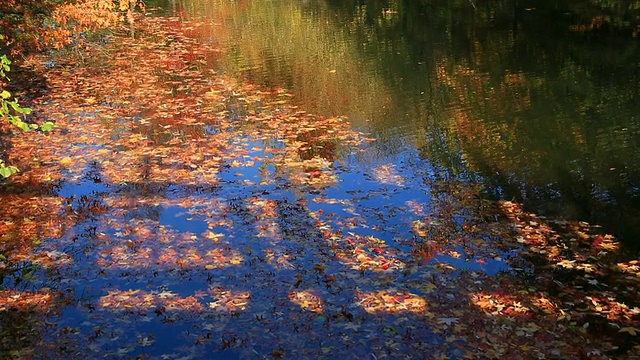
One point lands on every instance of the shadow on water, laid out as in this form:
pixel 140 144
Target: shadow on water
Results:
pixel 154 269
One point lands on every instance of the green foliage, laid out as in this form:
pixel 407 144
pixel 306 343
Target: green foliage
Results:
pixel 6 171
pixel 11 110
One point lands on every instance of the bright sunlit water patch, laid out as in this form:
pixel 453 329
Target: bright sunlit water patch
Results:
pixel 462 261
pixel 180 219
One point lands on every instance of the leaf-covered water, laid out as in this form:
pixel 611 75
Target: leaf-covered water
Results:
pixel 178 213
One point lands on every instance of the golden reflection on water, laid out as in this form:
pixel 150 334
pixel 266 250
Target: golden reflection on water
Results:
pixel 287 51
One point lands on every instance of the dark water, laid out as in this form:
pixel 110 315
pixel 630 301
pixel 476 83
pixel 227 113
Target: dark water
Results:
pixel 540 104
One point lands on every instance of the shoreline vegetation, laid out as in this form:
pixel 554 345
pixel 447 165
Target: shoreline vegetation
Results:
pixel 268 265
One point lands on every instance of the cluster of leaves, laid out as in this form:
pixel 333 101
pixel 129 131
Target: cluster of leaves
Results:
pixel 31 24
pixel 42 24
pixel 12 111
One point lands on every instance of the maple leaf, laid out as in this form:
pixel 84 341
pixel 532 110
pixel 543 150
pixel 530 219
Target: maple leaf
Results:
pixel 448 320
pixel 166 295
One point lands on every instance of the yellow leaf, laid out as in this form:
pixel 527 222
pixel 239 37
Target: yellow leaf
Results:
pixel 66 161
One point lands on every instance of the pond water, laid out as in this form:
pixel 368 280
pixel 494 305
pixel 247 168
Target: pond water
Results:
pixel 191 215
pixel 538 104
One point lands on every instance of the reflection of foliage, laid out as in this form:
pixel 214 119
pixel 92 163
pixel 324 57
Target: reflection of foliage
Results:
pixel 619 15
pixel 14 274
pixel 522 156
pixel 23 311
pixel 264 258
pixel 290 49
pixel 529 128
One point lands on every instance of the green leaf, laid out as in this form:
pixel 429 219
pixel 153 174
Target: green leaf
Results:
pixel 14 104
pixel 7 171
pixel 19 123
pixel 5 94
pixel 47 126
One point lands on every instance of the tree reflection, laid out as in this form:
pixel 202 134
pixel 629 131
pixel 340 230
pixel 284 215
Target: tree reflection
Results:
pixel 259 238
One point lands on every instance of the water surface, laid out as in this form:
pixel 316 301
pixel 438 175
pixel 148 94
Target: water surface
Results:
pixel 190 215
pixel 538 103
